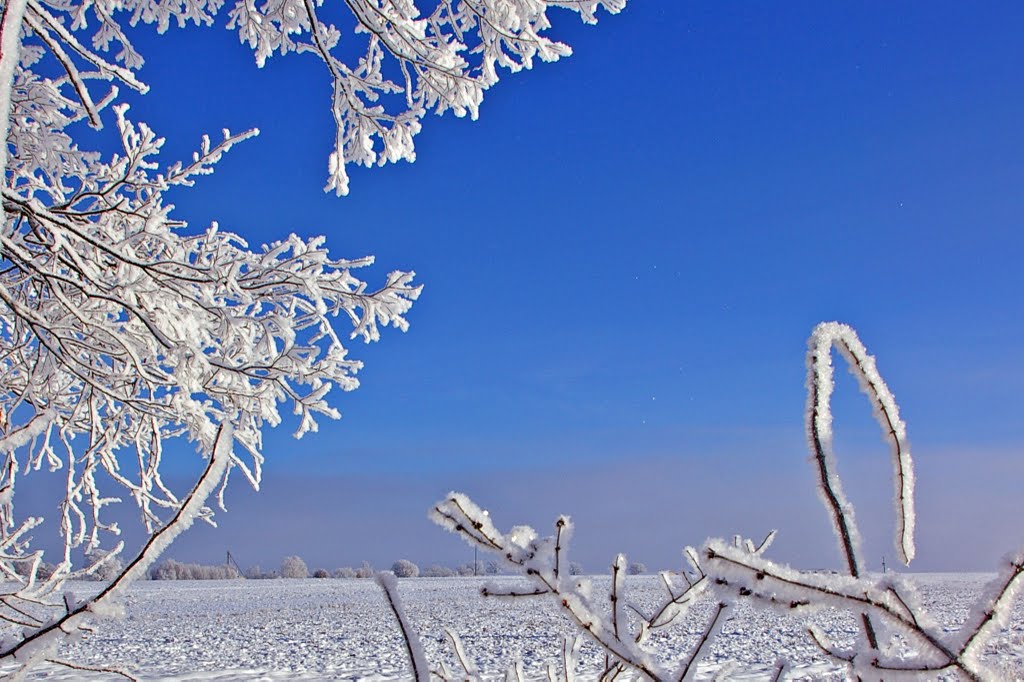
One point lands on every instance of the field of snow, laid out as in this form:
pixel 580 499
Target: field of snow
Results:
pixel 342 629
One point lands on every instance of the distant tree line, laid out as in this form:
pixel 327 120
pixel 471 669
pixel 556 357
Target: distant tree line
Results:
pixel 295 568
pixel 176 570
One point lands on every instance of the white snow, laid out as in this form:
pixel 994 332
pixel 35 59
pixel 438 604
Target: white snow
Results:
pixel 343 630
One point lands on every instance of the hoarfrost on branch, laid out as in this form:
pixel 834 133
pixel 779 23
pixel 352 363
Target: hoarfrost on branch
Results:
pixel 120 328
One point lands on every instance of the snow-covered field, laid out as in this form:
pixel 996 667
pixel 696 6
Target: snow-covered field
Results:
pixel 342 629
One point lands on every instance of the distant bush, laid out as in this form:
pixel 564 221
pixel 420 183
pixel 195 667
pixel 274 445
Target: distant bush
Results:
pixel 321 573
pixel 469 569
pixel 175 570
pixel 294 567
pixel 403 568
pixel 437 571
pixel 365 571
pixel 107 567
pixel 575 568
pixel 345 572
pixel 256 573
pixel 637 568
pixel 42 571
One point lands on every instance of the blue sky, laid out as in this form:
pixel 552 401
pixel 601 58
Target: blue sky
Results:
pixel 622 261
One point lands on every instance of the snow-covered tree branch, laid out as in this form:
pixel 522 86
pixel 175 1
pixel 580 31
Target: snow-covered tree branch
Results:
pixel 389 62
pixel 120 327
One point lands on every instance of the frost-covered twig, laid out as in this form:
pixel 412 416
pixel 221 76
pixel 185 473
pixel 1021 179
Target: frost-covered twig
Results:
pixel 765 583
pixel 711 630
pixel 540 559
pixel 676 605
pixel 781 668
pixel 103 670
pixel 469 669
pixel 993 609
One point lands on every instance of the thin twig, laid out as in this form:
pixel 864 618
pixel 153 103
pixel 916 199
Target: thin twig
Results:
pixel 704 639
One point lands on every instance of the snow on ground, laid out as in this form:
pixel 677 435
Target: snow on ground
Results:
pixel 342 629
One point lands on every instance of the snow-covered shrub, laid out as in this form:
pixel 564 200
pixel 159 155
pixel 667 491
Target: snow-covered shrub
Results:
pixel 321 573
pixel 345 572
pixel 29 569
pixel 365 571
pixel 403 568
pixel 470 569
pixel 257 573
pixel 294 567
pixel 575 568
pixel 437 571
pixel 637 568
pixel 165 570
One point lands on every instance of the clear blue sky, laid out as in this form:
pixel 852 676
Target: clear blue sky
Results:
pixel 622 260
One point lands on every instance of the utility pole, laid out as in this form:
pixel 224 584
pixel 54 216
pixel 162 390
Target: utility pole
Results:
pixel 230 561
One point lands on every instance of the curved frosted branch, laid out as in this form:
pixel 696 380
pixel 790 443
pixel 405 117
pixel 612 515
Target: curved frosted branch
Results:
pixel 820 384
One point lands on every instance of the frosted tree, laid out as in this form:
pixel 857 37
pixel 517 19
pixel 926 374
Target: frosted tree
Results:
pixel 122 329
pixel 403 568
pixel 294 567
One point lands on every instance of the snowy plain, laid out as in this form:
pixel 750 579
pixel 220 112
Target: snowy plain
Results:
pixel 331 629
